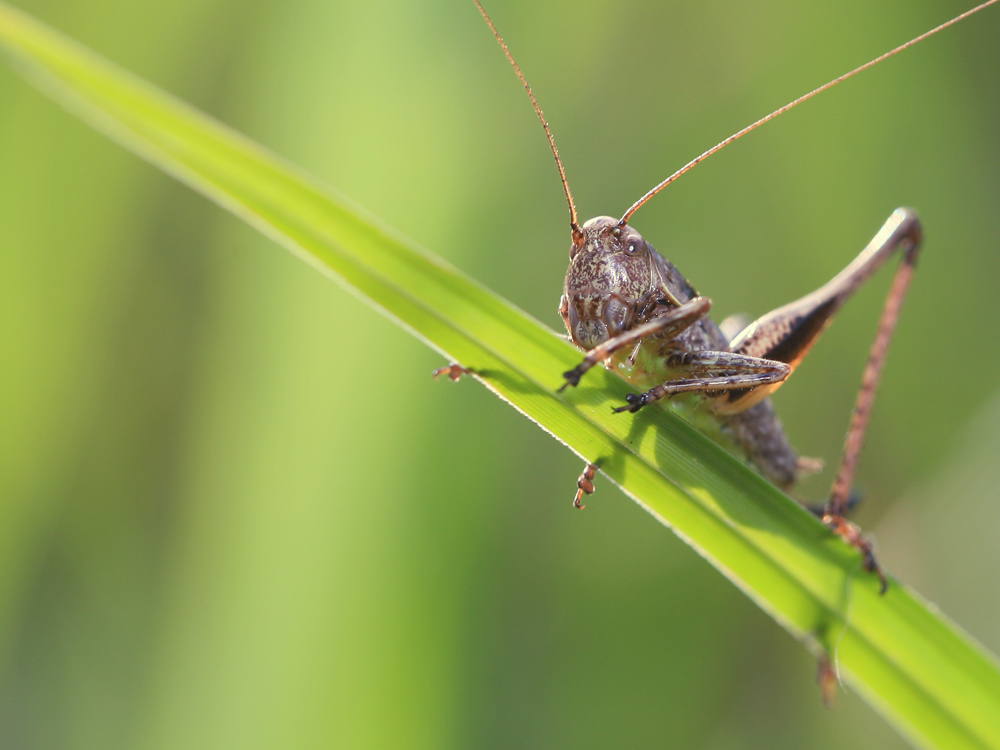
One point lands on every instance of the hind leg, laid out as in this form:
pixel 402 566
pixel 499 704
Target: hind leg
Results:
pixel 788 333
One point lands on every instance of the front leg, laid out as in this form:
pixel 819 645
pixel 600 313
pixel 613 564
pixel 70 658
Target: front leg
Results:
pixel 711 372
pixel 665 325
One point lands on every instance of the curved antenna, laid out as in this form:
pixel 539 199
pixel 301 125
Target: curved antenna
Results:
pixel 635 206
pixel 574 226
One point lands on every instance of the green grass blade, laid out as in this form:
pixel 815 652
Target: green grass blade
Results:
pixel 929 679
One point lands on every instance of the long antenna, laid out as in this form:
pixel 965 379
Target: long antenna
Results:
pixel 635 206
pixel 574 226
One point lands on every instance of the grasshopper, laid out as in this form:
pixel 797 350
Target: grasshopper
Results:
pixel 631 310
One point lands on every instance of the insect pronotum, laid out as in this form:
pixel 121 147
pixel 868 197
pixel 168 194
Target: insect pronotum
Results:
pixel 631 310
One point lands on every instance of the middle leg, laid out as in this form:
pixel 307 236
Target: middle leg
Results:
pixel 711 372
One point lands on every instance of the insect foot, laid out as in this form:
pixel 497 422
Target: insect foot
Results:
pixel 635 402
pixel 572 377
pixel 826 678
pixel 851 534
pixel 822 510
pixel 454 371
pixel 584 485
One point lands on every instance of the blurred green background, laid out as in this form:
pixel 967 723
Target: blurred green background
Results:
pixel 235 511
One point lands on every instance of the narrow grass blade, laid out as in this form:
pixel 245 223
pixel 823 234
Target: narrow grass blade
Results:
pixel 929 679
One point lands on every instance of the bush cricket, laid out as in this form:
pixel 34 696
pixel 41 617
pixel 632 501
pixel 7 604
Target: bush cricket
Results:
pixel 631 310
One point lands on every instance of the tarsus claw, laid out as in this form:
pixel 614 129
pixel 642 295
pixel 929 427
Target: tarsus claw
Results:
pixel 454 371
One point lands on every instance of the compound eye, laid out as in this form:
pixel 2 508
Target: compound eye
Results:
pixel 635 246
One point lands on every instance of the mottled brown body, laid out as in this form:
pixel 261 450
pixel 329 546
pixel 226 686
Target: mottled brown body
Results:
pixel 632 310
pixel 616 281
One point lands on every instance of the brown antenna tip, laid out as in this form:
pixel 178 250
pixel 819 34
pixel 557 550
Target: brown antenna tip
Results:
pixel 767 118
pixel 574 225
